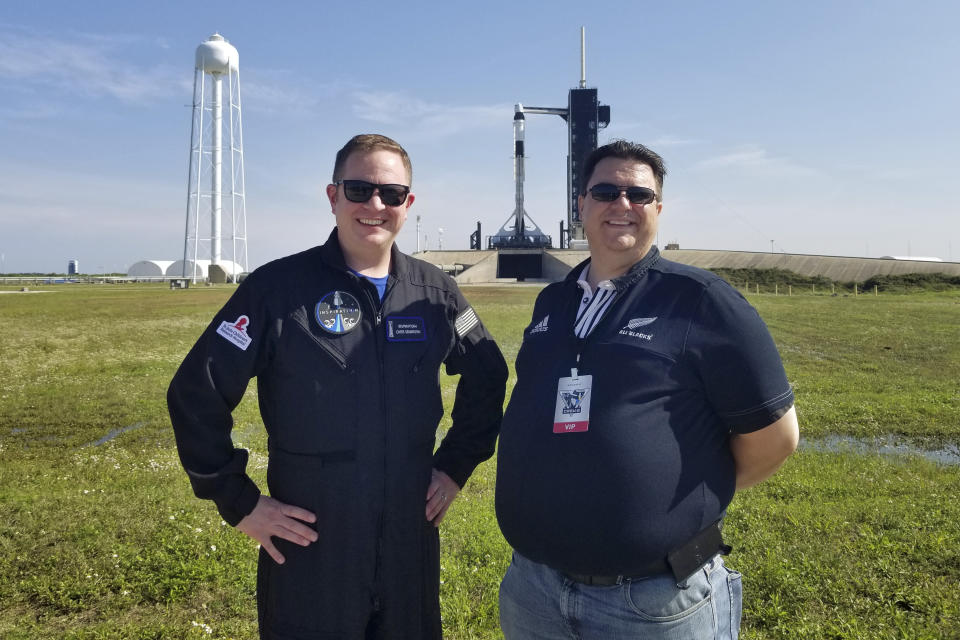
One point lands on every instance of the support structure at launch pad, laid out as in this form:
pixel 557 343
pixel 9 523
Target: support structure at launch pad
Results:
pixel 520 242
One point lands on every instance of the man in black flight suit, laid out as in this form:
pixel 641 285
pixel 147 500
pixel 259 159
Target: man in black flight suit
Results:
pixel 346 341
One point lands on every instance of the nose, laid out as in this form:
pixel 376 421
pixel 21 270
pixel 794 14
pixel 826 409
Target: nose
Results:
pixel 379 203
pixel 623 201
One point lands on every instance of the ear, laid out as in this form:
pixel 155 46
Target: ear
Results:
pixel 410 199
pixel 659 207
pixel 580 205
pixel 332 196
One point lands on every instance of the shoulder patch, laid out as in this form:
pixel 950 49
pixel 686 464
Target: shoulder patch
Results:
pixel 466 322
pixel 236 332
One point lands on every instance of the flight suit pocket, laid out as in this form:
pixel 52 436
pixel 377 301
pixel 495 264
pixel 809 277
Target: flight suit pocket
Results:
pixel 423 401
pixel 318 587
pixel 312 396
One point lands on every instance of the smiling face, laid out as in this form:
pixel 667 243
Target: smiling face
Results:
pixel 620 233
pixel 366 230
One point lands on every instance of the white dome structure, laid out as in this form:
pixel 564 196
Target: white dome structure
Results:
pixel 201 269
pixel 149 269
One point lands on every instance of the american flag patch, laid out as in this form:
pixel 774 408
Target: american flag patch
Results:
pixel 465 322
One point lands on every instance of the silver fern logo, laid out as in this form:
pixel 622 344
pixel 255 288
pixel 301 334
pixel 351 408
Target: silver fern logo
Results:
pixel 636 323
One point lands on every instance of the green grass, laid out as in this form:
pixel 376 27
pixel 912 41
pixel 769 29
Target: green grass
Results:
pixel 108 541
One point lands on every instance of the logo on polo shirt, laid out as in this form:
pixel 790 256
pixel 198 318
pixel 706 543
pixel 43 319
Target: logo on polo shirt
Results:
pixel 540 327
pixel 636 323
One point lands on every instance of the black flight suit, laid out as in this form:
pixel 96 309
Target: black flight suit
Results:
pixel 351 412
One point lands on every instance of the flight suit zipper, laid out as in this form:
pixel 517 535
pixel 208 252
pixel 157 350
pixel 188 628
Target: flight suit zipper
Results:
pixel 377 306
pixel 335 354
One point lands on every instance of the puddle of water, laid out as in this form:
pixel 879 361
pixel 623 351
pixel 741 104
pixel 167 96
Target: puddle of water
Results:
pixel 887 445
pixel 114 433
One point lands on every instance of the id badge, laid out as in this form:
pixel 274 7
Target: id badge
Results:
pixel 572 414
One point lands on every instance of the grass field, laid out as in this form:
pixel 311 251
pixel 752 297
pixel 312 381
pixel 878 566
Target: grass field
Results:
pixel 102 538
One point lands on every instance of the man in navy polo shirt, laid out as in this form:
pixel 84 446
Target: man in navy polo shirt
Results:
pixel 647 393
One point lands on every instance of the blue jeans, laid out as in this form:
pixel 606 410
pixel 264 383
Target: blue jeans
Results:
pixel 539 603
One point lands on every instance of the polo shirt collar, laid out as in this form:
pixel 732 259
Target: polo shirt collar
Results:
pixel 624 282
pixel 585 284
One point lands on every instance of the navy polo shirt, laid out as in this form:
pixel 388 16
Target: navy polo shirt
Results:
pixel 679 361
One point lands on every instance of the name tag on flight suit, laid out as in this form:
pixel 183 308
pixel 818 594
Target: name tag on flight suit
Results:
pixel 572 414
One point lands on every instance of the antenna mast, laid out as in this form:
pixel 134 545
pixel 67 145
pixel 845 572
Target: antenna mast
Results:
pixel 583 58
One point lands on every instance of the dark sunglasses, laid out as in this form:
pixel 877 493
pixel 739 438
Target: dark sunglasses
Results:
pixel 606 192
pixel 392 195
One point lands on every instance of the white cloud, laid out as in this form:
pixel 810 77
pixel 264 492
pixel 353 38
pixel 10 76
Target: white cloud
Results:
pixel 755 159
pixel 423 117
pixel 84 64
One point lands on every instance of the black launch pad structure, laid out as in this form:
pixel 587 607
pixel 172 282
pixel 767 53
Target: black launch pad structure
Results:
pixel 520 242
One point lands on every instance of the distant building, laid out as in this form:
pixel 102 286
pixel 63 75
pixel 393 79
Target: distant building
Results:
pixel 73 267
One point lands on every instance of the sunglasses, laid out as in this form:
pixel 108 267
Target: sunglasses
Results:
pixel 392 195
pixel 606 192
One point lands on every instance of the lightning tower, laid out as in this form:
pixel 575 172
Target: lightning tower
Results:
pixel 211 204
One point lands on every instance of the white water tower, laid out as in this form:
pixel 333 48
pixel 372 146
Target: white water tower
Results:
pixel 212 202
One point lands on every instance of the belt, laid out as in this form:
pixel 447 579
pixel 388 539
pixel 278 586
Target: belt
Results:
pixel 653 569
pixel 682 562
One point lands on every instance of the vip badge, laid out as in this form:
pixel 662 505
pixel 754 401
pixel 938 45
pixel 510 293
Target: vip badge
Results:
pixel 338 312
pixel 572 411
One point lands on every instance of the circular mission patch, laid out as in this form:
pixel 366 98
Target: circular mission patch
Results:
pixel 338 312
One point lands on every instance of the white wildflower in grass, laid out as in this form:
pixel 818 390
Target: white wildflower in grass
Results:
pixel 203 627
pixel 213 547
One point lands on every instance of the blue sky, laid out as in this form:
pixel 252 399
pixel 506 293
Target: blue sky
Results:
pixel 826 127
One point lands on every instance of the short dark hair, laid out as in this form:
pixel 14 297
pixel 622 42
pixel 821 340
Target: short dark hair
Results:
pixel 367 143
pixel 627 151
